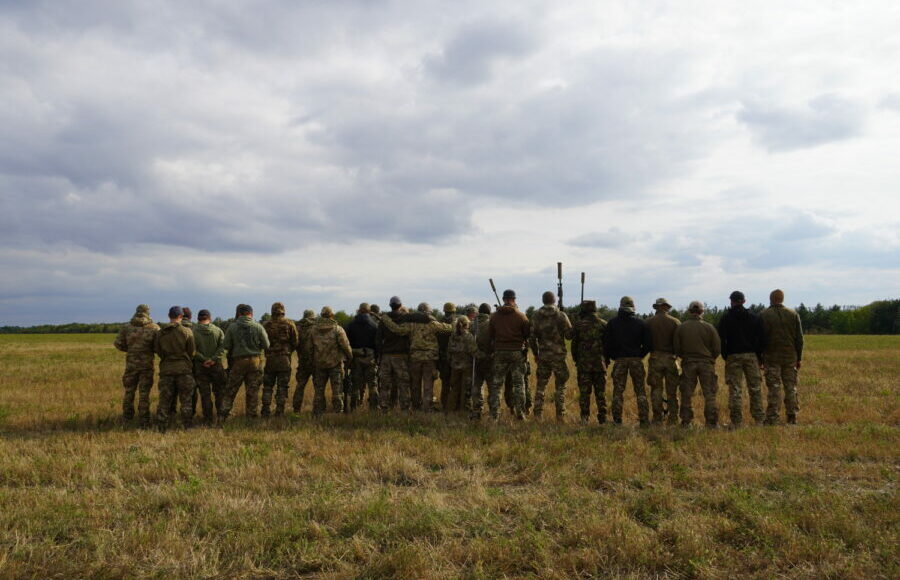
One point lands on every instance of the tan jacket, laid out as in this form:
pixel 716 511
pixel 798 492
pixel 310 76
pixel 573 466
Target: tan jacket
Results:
pixel 423 341
pixel 697 339
pixel 662 327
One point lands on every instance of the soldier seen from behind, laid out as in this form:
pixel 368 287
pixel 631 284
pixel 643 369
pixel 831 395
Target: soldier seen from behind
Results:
pixel 305 367
pixel 509 330
pixel 627 342
pixel 588 334
pixel 742 336
pixel 484 360
pixel 136 340
pixel 697 344
pixel 443 365
pixel 393 365
pixel 781 357
pixel 550 327
pixel 283 341
pixel 361 333
pixel 209 374
pixel 245 341
pixel 174 345
pixel 662 368
pixel 331 350
pixel 461 351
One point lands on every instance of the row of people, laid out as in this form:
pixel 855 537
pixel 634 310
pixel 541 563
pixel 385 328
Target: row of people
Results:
pixel 395 358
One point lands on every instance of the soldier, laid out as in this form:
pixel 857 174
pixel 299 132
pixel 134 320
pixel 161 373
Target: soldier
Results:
pixel 305 366
pixel 423 331
pixel 283 341
pixel 461 349
pixel 443 365
pixel 742 335
pixel 245 341
pixel 136 340
pixel 662 369
pixel 509 330
pixel 330 349
pixel 587 351
pixel 209 374
pixel 186 322
pixel 781 357
pixel 697 345
pixel 393 354
pixel 628 342
pixel 174 344
pixel 549 329
pixel 361 333
pixel 484 359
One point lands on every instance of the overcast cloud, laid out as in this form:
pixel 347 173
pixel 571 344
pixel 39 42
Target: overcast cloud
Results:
pixel 207 153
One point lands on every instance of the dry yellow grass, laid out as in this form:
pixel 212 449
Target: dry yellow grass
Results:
pixel 395 496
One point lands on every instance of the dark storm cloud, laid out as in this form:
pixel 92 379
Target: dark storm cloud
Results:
pixel 824 119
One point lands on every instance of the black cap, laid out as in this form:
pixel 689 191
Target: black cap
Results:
pixel 509 294
pixel 175 312
pixel 737 296
pixel 203 314
pixel 484 308
pixel 244 309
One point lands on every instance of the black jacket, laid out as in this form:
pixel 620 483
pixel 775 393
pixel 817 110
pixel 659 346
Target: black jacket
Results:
pixel 627 336
pixel 741 331
pixel 361 331
pixel 386 342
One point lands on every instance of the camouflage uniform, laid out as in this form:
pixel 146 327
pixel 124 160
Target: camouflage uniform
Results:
pixel 245 341
pixel 549 329
pixel 509 392
pixel 662 368
pixel 781 357
pixel 136 340
pixel 742 336
pixel 174 344
pixel 186 322
pixel 484 362
pixel 443 364
pixel 587 351
pixel 393 366
pixel 305 366
pixel 628 341
pixel 423 353
pixel 283 339
pixel 509 330
pixel 697 344
pixel 330 349
pixel 461 351
pixel 209 374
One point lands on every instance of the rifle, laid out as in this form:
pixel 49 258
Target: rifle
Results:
pixel 494 288
pixel 559 288
pixel 582 286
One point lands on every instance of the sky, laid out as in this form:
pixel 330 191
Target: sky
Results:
pixel 214 153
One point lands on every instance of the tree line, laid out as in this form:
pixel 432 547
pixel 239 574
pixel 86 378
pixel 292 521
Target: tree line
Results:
pixel 879 317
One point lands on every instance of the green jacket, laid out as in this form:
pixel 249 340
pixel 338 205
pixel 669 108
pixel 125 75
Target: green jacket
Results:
pixel 174 345
pixel 210 342
pixel 783 334
pixel 696 339
pixel 245 337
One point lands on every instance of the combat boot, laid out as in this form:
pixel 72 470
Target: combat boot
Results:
pixel 791 419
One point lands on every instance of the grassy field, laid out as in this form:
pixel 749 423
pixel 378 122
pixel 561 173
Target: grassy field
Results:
pixel 366 496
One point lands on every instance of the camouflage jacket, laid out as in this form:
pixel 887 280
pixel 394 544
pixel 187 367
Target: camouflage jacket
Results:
pixel 783 334
pixel 549 329
pixel 174 345
pixel 423 343
pixel 482 336
pixel 283 340
pixel 460 350
pixel 587 342
pixel 444 339
pixel 304 341
pixel 330 344
pixel 136 340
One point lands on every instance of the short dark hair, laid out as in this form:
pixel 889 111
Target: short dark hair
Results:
pixel 548 297
pixel 204 315
pixel 187 312
pixel 244 309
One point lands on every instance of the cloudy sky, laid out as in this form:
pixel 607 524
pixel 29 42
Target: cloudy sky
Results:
pixel 209 153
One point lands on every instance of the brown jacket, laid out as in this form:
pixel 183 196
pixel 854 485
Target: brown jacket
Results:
pixel 662 327
pixel 509 328
pixel 697 339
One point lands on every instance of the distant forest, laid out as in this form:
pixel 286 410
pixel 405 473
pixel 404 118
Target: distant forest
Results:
pixel 879 317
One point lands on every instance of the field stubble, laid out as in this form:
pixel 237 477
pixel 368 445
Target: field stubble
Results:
pixel 397 496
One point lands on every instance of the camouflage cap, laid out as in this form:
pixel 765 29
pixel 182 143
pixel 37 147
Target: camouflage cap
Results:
pixel 277 308
pixel 626 304
pixel 471 310
pixel 326 312
pixel 449 307
pixel 484 308
pixel 375 309
pixel 309 313
pixel 588 306
pixel 142 309
pixel 364 308
pixel 661 302
pixel 423 307
pixel 695 307
pixel 244 309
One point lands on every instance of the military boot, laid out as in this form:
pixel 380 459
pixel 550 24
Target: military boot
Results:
pixel 791 419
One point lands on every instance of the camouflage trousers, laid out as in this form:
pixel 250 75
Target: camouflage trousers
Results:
pixel 170 387
pixel 458 387
pixel 663 378
pixel 364 373
pixel 545 368
pixel 305 372
pixel 138 381
pixel 279 384
pixel 421 374
pixel 445 373
pixel 394 372
pixel 592 381
pixel 507 362
pixel 322 377
pixel 738 366
pixel 781 374
pixel 623 367
pixel 526 387
pixel 243 371
pixel 210 384
pixel 705 372
pixel 483 369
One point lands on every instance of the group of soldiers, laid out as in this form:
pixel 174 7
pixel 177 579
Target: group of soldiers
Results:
pixel 392 359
